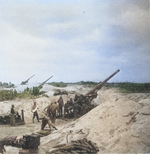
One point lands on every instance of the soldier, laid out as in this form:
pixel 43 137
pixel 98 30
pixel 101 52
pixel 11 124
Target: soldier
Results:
pixel 66 106
pixel 18 117
pixel 83 109
pixel 50 113
pixel 12 115
pixel 76 97
pixel 44 119
pixel 61 104
pixel 34 111
pixel 76 109
pixel 79 100
pixel 71 102
pixel 70 106
pixel 51 110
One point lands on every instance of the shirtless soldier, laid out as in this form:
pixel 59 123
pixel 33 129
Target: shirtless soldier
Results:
pixel 50 113
pixel 34 111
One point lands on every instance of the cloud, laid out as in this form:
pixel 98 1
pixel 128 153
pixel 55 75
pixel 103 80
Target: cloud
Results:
pixel 76 41
pixel 134 19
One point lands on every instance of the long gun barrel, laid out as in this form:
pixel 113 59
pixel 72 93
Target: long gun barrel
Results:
pixel 99 86
pixel 41 85
pixel 24 82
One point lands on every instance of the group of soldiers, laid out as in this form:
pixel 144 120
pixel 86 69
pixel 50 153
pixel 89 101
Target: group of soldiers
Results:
pixel 77 107
pixel 49 113
pixel 72 108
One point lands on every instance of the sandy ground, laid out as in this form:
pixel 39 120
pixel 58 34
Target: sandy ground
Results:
pixel 108 125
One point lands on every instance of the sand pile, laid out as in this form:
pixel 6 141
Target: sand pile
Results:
pixel 110 125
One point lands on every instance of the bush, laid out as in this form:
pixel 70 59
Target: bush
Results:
pixel 35 91
pixel 7 95
pixel 58 84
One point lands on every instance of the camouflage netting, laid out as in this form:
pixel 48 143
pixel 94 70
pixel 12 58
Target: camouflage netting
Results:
pixel 76 147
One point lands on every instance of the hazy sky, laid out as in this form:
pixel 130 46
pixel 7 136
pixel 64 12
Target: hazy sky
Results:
pixel 74 40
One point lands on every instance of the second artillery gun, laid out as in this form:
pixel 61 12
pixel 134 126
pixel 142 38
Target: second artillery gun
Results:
pixel 24 82
pixel 41 85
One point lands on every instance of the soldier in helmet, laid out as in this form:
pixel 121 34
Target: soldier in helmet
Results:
pixel 76 109
pixel 12 115
pixel 61 104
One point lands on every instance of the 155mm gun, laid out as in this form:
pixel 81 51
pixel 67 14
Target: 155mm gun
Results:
pixel 83 102
pixel 41 85
pixel 24 82
pixel 94 91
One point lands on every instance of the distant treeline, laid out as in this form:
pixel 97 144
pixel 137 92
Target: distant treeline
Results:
pixel 126 87
pixel 87 83
pixel 132 87
pixel 7 85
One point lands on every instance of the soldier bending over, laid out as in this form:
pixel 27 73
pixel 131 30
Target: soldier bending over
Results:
pixel 50 114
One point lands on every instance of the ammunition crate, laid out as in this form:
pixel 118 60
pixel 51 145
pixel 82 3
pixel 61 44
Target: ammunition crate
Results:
pixel 31 141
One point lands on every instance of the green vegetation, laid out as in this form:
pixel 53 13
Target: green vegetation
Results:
pixel 27 93
pixel 7 85
pixel 125 87
pixel 87 83
pixel 35 91
pixel 129 87
pixel 7 95
pixel 58 84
